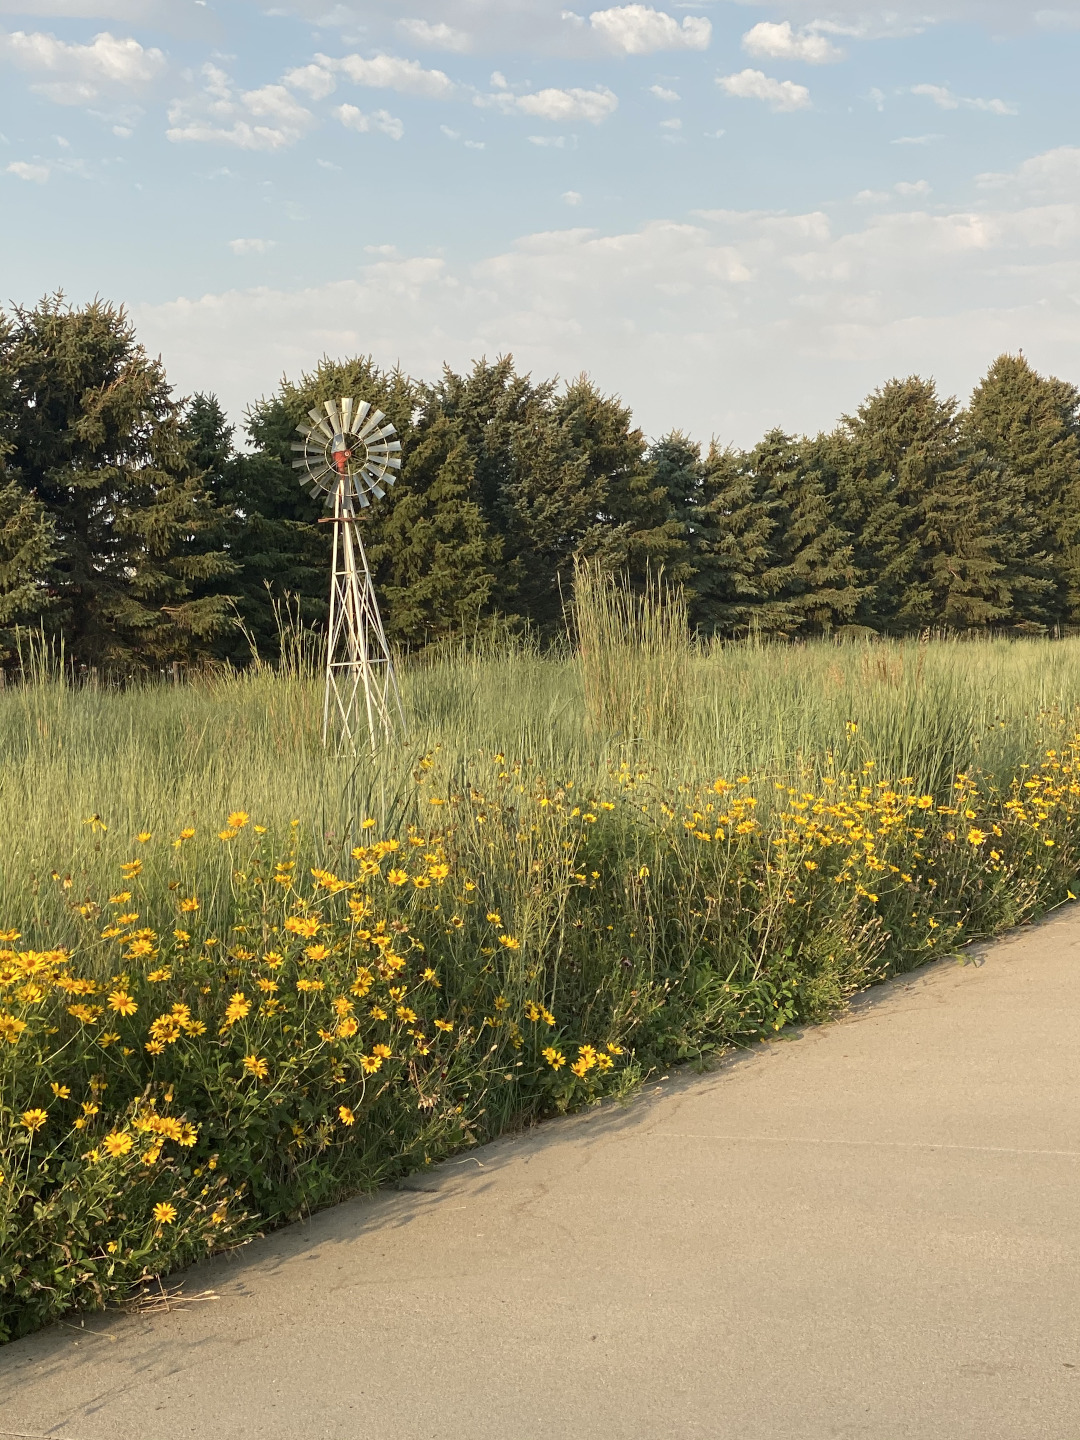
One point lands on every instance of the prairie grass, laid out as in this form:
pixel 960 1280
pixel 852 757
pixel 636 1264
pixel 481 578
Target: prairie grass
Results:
pixel 241 977
pixel 158 757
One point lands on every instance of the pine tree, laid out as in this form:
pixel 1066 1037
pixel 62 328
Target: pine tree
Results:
pixel 1031 424
pixel 942 535
pixel 664 497
pixel 27 538
pixel 812 573
pixel 434 558
pixel 94 435
pixel 736 581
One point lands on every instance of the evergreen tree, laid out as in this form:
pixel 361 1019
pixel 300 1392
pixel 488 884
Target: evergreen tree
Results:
pixel 93 435
pixel 435 557
pixel 736 581
pixel 664 498
pixel 27 552
pixel 1031 424
pixel 942 535
pixel 812 572
pixel 27 542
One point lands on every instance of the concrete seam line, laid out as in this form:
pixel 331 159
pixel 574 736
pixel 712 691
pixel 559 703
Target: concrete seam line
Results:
pixel 35 1435
pixel 881 1144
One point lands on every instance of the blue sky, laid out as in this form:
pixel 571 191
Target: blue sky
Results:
pixel 734 215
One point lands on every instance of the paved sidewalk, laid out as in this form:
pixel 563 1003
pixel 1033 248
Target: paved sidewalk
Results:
pixel 870 1230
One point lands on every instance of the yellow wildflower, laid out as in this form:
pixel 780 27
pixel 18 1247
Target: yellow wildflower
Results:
pixel 122 1003
pixel 164 1213
pixel 238 1008
pixel 118 1143
pixel 345 1115
pixel 34 1119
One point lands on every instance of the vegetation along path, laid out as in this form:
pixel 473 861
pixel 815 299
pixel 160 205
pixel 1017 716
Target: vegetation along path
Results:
pixel 865 1230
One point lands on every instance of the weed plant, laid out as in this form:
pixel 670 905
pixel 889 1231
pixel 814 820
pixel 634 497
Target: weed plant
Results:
pixel 241 977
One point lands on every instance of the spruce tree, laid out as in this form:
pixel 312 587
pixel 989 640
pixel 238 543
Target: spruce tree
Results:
pixel 434 557
pixel 736 580
pixel 94 435
pixel 812 575
pixel 942 535
pixel 27 537
pixel 1031 424
pixel 663 498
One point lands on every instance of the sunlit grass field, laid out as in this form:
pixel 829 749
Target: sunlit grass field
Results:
pixel 159 758
pixel 242 975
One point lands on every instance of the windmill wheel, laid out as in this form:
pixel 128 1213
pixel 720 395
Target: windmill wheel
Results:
pixel 347 446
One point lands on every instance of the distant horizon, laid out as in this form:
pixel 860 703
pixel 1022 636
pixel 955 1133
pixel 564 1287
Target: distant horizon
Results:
pixel 732 215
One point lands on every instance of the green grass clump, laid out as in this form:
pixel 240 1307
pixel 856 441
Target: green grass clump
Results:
pixel 241 977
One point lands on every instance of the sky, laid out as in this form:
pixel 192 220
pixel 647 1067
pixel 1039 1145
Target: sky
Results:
pixel 733 214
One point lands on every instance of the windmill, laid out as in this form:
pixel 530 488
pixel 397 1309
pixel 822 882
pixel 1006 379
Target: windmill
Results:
pixel 348 454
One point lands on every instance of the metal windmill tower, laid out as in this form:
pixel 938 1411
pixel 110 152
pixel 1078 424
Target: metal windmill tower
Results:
pixel 348 454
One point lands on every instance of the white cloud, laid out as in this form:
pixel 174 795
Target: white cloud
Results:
pixel 387 72
pixel 729 324
pixel 781 42
pixel 438 36
pixel 640 30
pixel 269 118
pixel 1054 175
pixel 571 197
pixel 916 139
pixel 24 170
pixel 671 124
pixel 251 247
pixel 661 93
pixel 81 74
pixel 553 142
pixel 911 188
pixel 560 106
pixel 781 95
pixel 381 120
pixel 946 100
pixel 313 80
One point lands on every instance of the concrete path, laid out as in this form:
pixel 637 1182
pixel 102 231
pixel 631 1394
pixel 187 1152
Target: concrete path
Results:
pixel 869 1230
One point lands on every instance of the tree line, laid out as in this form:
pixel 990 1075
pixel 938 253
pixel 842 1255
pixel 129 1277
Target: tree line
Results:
pixel 138 528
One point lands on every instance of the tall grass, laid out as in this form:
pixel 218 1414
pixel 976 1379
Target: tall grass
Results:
pixel 239 956
pixel 159 757
pixel 633 654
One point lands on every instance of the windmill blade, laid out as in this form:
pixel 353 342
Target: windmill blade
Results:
pixel 378 492
pixel 359 414
pixel 386 432
pixel 370 424
pixel 305 430
pixel 321 425
pixel 364 502
pixel 330 406
pixel 299 465
pixel 346 414
pixel 394 463
pixel 299 446
pixel 389 478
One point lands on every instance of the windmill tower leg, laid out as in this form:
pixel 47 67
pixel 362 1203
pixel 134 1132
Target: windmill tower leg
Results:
pixel 360 682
